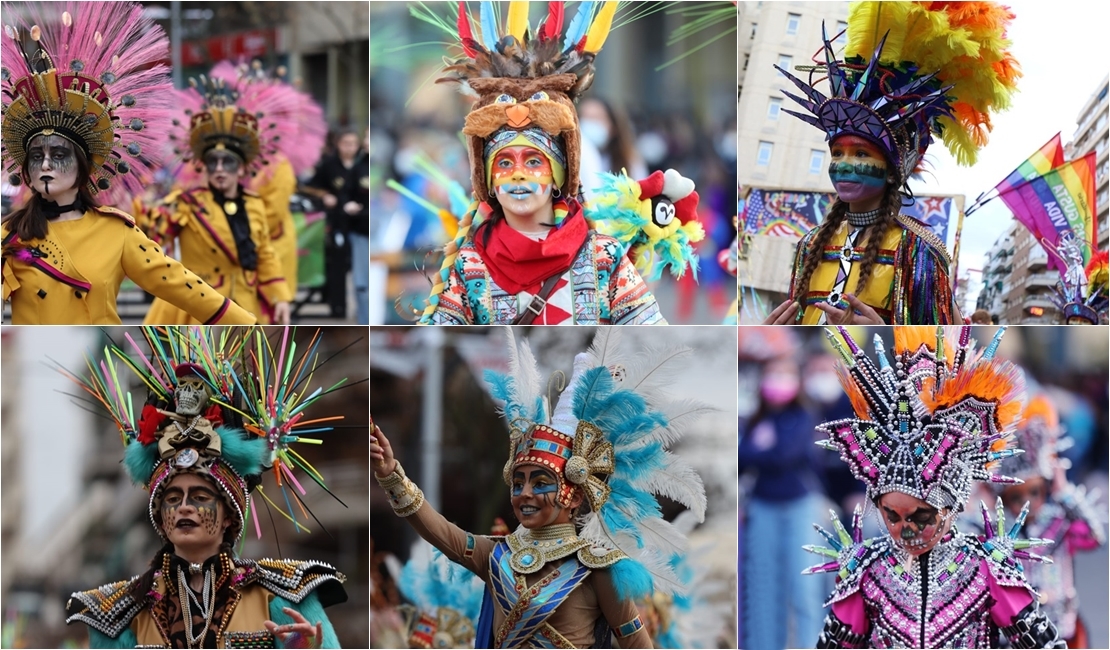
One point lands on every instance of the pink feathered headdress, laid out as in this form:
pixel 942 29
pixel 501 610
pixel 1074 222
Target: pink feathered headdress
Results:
pixel 88 72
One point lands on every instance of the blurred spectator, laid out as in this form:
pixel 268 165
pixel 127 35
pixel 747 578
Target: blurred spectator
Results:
pixel 981 317
pixel 342 182
pixel 608 128
pixel 784 502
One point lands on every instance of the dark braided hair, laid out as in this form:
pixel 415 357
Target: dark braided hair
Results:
pixel 140 589
pixel 838 213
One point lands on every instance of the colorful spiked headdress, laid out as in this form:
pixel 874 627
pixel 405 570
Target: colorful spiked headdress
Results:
pixel 526 78
pixel 932 423
pixel 257 391
pixel 607 437
pixel 1039 435
pixel 913 70
pixel 88 72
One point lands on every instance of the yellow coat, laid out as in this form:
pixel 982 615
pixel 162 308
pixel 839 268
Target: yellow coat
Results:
pixel 276 190
pixel 73 275
pixel 208 248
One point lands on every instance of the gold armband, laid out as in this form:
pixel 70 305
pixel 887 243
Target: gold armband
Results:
pixel 404 496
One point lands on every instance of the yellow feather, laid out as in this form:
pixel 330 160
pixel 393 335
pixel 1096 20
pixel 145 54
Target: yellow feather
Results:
pixel 599 30
pixel 517 22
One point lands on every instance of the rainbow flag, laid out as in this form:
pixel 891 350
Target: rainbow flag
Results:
pixel 1057 202
pixel 1048 157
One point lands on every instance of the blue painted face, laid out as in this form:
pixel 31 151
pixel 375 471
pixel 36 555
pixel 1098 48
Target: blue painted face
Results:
pixel 857 169
pixel 533 495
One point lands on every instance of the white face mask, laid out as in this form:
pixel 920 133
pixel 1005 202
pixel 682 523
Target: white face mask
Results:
pixel 594 132
pixel 823 387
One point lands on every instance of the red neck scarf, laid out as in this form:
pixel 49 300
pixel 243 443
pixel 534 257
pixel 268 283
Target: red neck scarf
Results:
pixel 517 263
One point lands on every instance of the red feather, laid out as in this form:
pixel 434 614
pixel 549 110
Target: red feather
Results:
pixel 553 26
pixel 466 37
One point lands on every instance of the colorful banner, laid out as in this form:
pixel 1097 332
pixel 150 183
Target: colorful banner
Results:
pixel 783 213
pixel 1056 203
pixel 936 212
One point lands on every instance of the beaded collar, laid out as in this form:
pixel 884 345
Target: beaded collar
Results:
pixel 860 219
pixel 532 549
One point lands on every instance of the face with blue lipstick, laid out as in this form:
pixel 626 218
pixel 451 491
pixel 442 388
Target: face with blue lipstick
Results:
pixel 533 493
pixel 522 180
pixel 859 172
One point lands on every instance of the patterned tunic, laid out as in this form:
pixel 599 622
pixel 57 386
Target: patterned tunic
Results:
pixel 909 282
pixel 602 287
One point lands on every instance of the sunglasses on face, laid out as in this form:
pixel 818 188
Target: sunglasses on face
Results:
pixel 229 162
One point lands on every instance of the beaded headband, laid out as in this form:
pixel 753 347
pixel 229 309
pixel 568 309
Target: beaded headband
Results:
pixel 931 424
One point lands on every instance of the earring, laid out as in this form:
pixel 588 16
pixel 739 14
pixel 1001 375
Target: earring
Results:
pixel 556 194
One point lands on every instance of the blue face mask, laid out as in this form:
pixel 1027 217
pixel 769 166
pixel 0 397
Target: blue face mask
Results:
pixel 594 132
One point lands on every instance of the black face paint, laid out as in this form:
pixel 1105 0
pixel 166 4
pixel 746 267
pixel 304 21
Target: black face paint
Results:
pixel 216 158
pixel 203 501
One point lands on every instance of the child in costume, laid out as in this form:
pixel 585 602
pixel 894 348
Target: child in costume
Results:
pixel 912 70
pixel 84 107
pixel 529 249
pixel 926 428
pixel 221 228
pixel 581 481
pixel 199 448
pixel 1058 511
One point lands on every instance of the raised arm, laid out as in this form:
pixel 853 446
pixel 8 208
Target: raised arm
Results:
pixel 471 551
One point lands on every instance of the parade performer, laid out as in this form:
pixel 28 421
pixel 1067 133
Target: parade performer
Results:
pixel 912 70
pixel 297 152
pixel 926 428
pixel 446 600
pixel 529 249
pixel 84 106
pixel 1081 293
pixel 1058 511
pixel 581 480
pixel 218 416
pixel 221 228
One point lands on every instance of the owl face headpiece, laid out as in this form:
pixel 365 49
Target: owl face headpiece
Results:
pixel 527 81
pixel 88 72
pixel 932 423
pixel 912 71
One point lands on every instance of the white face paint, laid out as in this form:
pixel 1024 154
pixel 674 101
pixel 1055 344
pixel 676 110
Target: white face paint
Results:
pixel 191 397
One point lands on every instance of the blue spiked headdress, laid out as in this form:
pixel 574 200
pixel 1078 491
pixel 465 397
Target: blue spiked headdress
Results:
pixel 895 108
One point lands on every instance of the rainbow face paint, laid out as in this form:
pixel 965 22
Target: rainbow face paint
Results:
pixel 857 169
pixel 523 180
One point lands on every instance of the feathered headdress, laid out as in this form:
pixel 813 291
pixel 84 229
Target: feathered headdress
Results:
pixel 607 437
pixel 90 73
pixel 447 600
pixel 258 393
pixel 913 70
pixel 932 423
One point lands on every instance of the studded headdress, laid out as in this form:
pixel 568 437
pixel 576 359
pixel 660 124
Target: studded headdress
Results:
pixel 933 422
pixel 90 73
pixel 607 437
pixel 255 411
pixel 912 71
pixel 1040 436
pixel 446 598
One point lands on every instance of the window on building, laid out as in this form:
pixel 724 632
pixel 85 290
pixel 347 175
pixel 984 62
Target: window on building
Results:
pixel 842 29
pixel 786 62
pixel 816 161
pixel 773 108
pixel 746 58
pixel 763 159
pixel 754 25
pixel 793 22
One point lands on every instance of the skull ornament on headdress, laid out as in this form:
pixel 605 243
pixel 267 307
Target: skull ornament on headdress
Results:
pixel 932 423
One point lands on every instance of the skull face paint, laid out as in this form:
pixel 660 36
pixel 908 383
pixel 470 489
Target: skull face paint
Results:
pixel 533 493
pixel 224 170
pixel 857 169
pixel 913 524
pixel 52 165
pixel 192 513
pixel 523 179
pixel 190 396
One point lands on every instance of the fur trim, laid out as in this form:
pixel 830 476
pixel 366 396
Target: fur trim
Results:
pixel 243 451
pixel 139 460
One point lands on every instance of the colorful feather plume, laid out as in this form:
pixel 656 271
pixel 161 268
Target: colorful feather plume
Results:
pixel 964 43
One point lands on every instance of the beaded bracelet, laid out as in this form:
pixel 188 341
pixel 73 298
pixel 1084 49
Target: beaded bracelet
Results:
pixel 404 497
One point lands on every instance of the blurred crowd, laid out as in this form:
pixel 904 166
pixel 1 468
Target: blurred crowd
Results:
pixel 789 384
